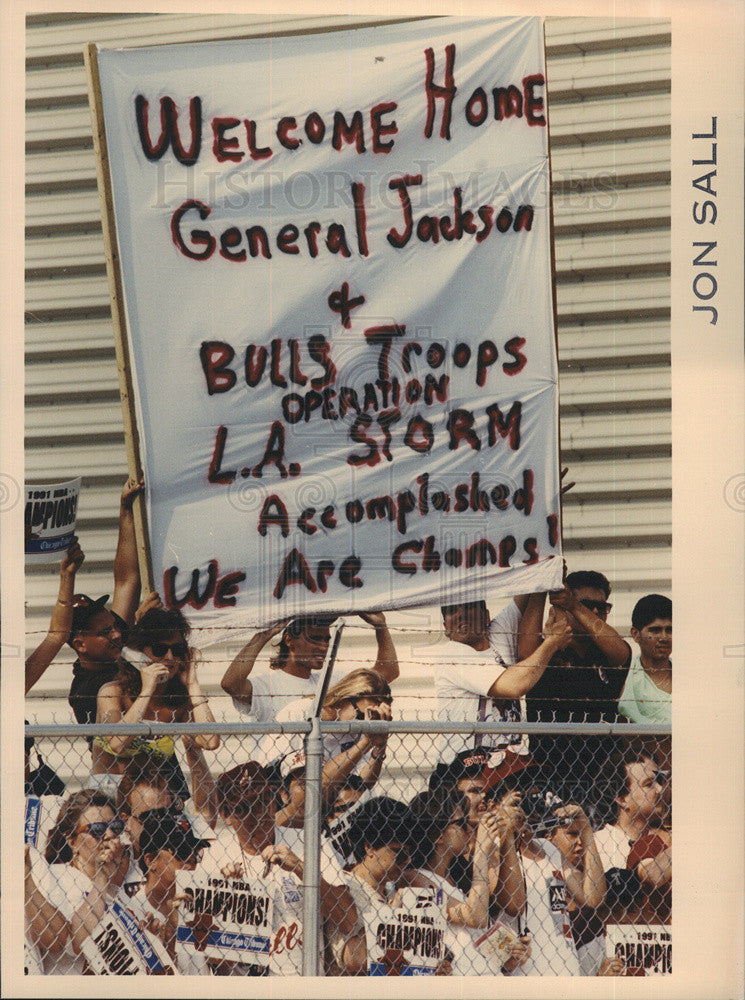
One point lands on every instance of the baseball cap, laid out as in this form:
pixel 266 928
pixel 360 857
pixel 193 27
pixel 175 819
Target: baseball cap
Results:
pixel 622 887
pixel 291 762
pixel 170 831
pixel 466 764
pixel 83 609
pixel 503 764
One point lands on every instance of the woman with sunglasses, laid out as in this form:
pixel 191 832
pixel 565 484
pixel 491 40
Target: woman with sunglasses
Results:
pixel 87 864
pixel 361 694
pixel 443 814
pixel 163 687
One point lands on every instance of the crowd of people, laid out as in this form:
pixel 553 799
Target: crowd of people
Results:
pixel 503 855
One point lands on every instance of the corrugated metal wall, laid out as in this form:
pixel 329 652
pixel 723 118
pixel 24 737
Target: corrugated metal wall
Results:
pixel 609 105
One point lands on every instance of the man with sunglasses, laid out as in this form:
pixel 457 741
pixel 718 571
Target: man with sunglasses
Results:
pixel 582 682
pixel 98 632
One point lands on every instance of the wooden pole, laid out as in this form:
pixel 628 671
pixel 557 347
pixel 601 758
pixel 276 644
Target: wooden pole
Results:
pixel 553 286
pixel 116 292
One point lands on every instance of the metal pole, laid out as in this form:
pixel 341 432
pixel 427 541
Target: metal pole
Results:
pixel 312 851
pixel 328 666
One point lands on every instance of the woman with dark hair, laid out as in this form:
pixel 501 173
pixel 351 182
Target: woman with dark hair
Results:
pixel 162 686
pixel 443 814
pixel 297 652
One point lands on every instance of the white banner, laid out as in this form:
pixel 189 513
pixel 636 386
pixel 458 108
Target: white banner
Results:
pixel 225 918
pixel 337 267
pixel 647 949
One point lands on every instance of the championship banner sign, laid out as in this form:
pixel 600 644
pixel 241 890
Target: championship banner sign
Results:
pixel 335 252
pixel 646 949
pixel 49 520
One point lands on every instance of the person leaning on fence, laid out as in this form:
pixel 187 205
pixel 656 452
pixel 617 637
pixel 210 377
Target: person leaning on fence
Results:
pixel 629 799
pixel 384 833
pixel 361 694
pixel 164 687
pixel 88 863
pixel 145 790
pixel 299 652
pixel 289 817
pixel 484 677
pixel 583 871
pixel 167 845
pixel 543 914
pixel 97 633
pixel 246 849
pixel 582 682
pixel 442 815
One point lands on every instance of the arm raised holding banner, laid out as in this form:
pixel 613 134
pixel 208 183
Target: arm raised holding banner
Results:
pixel 386 663
pixel 61 622
pixel 126 595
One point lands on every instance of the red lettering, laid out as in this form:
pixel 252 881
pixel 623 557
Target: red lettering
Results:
pixel 215 474
pixel 460 428
pixel 224 149
pixel 199 237
pixel 508 427
pixel 379 129
pixel 513 347
pixel 273 511
pixel 255 152
pixel 533 105
pixel 215 356
pixel 192 597
pixel 284 127
pixel 487 355
pixel 401 185
pixel 274 453
pixel 433 91
pixel 169 133
pixel 352 133
pixel 477 107
pixel 294 570
pixel 227 588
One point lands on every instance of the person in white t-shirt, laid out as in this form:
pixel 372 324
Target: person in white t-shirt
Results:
pixel 247 849
pixel 544 914
pixel 482 679
pixel 87 865
pixel 300 653
pixel 443 814
pixel 629 797
pixel 167 845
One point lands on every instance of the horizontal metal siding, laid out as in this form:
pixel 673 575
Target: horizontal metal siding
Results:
pixel 609 109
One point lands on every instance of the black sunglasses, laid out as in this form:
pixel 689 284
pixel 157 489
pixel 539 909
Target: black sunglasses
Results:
pixel 98 830
pixel 179 649
pixel 599 607
pixel 176 808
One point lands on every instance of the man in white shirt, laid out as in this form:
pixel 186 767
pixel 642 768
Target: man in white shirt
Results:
pixel 481 679
pixel 300 653
pixel 630 796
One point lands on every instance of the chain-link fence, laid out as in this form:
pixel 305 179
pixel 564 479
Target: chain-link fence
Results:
pixel 349 848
